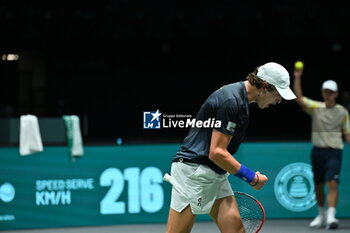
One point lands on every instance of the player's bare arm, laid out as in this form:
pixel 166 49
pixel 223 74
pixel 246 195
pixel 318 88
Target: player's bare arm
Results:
pixel 220 156
pixel 297 88
pixel 218 152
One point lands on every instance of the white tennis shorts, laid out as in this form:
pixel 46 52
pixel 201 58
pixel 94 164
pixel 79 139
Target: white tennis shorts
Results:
pixel 198 186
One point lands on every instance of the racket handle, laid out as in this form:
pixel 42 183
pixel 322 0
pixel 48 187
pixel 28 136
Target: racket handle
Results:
pixel 167 178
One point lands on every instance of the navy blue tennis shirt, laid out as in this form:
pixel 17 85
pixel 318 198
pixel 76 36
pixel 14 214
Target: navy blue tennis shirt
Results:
pixel 229 104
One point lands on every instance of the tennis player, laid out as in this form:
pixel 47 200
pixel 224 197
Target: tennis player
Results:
pixel 330 121
pixel 201 166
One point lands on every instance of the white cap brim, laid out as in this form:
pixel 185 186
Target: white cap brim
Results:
pixel 286 93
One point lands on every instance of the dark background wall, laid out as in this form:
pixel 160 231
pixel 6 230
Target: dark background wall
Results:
pixel 108 61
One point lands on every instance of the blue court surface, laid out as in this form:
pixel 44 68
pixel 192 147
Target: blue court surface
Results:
pixel 271 226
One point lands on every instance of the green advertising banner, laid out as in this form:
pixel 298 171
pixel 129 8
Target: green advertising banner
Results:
pixel 123 184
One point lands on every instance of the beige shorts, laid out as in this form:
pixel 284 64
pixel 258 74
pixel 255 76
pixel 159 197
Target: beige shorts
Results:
pixel 198 186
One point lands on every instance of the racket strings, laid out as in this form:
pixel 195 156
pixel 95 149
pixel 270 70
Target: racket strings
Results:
pixel 251 213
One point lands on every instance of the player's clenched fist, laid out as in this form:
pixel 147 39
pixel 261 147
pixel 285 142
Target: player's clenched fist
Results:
pixel 259 181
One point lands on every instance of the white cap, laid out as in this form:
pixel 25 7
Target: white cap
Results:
pixel 278 76
pixel 330 85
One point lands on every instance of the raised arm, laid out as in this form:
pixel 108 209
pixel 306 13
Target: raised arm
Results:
pixel 297 86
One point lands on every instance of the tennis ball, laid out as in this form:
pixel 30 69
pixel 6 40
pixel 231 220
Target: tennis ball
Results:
pixel 299 65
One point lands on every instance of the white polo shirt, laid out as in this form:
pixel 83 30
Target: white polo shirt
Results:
pixel 328 124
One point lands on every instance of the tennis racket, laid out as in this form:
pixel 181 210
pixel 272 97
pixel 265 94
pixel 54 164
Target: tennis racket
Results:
pixel 251 210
